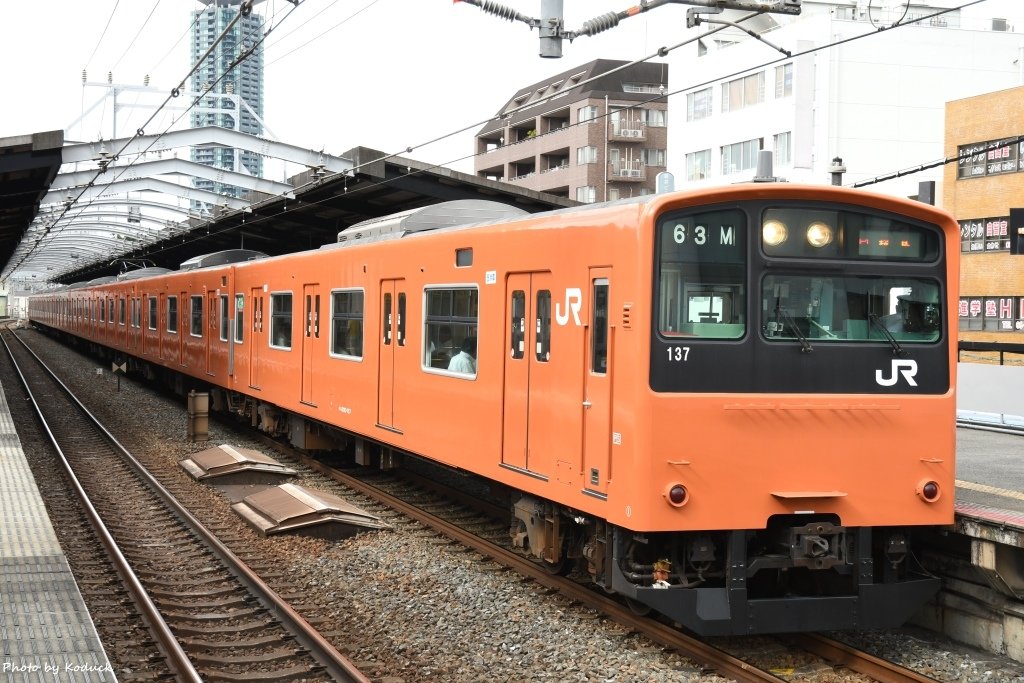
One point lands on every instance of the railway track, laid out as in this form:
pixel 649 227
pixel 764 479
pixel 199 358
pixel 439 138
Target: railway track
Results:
pixel 210 616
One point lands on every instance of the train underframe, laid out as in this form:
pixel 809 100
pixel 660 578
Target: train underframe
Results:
pixel 800 573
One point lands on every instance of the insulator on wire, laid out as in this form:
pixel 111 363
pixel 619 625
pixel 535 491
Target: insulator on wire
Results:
pixel 498 10
pixel 600 23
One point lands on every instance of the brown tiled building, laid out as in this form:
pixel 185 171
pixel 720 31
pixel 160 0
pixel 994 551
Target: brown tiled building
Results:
pixel 581 134
pixel 980 190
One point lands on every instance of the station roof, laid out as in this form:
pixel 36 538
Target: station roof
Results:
pixel 305 212
pixel 28 165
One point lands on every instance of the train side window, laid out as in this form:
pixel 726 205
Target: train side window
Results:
pixel 121 311
pixel 517 324
pixel 223 317
pixel 543 326
pixel 281 320
pixel 239 318
pixel 172 314
pixel 451 320
pixel 196 317
pixel 103 310
pixel 152 312
pixel 347 324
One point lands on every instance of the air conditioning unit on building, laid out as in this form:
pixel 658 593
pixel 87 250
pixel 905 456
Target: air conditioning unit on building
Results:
pixel 632 133
pixel 633 172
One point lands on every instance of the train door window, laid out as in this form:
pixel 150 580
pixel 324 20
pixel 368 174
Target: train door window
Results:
pixel 518 324
pixel 599 329
pixel 239 318
pixel 103 310
pixel 137 313
pixel 121 311
pixel 196 316
pixel 172 314
pixel 387 319
pixel 152 312
pixel 347 324
pixel 223 317
pixel 401 318
pixel 451 321
pixel 281 320
pixel 110 310
pixel 701 282
pixel 543 326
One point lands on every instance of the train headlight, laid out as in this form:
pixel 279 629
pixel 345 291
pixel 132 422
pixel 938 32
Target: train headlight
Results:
pixel 677 495
pixel 774 232
pixel 819 234
pixel 929 491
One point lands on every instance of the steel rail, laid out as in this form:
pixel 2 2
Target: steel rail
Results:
pixel 337 665
pixel 857 660
pixel 180 664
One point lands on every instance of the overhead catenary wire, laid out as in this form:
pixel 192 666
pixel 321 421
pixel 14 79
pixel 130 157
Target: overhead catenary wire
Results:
pixel 253 220
pixel 661 52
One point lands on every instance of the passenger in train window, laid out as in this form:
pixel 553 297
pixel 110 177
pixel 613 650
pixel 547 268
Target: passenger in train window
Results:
pixel 465 361
pixel 439 350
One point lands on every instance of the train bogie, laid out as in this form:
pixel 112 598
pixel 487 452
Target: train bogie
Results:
pixel 733 405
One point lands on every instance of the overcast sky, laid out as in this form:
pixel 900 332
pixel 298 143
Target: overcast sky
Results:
pixel 386 74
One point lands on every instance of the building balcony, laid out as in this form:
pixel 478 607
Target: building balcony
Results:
pixel 627 131
pixel 629 175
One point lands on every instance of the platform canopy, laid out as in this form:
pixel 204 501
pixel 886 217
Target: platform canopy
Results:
pixel 75 212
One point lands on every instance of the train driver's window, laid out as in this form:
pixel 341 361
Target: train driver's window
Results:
pixel 281 320
pixel 347 324
pixel 702 268
pixel 851 308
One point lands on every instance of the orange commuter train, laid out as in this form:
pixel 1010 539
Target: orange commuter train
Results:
pixel 732 405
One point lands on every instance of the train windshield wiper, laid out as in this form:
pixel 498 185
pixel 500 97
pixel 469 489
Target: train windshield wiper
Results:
pixel 780 312
pixel 896 348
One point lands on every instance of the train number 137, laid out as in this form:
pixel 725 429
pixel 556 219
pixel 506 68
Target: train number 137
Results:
pixel 678 353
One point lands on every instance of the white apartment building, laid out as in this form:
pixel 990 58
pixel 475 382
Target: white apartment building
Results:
pixel 876 102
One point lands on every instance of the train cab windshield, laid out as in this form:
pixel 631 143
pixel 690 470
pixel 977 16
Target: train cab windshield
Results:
pixel 816 272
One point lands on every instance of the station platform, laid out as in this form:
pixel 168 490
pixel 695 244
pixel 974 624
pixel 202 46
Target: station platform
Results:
pixel 46 631
pixel 990 477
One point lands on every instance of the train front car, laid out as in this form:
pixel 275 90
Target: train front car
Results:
pixel 799 419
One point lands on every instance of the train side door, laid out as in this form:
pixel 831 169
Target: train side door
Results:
pixel 212 335
pixel 184 306
pixel 531 418
pixel 256 341
pixel 310 335
pixel 392 343
pixel 597 385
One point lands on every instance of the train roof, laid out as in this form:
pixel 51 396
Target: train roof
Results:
pixel 141 273
pixel 221 258
pixel 459 212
